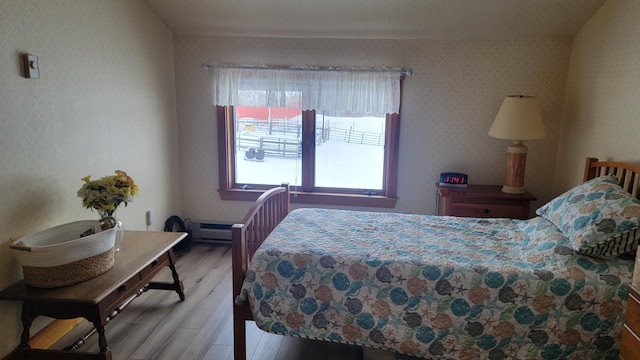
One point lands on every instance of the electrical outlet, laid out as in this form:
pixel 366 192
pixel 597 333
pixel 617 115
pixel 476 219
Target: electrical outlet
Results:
pixel 151 217
pixel 31 66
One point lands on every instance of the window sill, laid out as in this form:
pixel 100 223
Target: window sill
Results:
pixel 317 198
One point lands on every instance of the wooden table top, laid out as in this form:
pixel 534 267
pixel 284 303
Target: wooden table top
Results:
pixel 137 250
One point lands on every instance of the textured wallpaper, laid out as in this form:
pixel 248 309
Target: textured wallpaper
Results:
pixel 119 90
pixel 448 106
pixel 602 112
pixel 105 100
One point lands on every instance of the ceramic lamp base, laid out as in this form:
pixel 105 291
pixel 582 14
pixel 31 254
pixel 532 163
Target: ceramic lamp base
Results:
pixel 516 161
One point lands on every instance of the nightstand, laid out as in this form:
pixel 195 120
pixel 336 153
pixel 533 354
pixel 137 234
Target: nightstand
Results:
pixel 630 342
pixel 482 201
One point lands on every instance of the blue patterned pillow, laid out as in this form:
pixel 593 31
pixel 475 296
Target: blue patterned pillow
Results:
pixel 599 218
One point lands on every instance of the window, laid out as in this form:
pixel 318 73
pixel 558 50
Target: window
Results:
pixel 327 156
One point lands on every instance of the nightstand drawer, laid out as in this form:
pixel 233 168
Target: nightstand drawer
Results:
pixel 486 210
pixel 482 201
pixel 632 316
pixel 629 345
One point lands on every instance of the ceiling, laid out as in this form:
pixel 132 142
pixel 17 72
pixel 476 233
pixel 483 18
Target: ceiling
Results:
pixel 378 19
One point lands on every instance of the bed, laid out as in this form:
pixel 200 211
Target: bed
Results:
pixel 551 287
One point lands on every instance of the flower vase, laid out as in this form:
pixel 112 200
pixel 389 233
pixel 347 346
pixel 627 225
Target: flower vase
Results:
pixel 117 223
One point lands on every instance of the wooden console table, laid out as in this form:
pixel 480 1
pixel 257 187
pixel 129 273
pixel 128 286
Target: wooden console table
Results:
pixel 142 255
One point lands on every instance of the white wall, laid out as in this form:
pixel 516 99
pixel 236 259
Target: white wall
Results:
pixel 448 106
pixel 105 101
pixel 602 112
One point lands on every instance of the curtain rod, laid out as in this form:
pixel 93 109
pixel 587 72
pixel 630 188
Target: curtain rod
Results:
pixel 404 72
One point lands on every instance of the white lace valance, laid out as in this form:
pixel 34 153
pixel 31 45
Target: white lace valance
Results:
pixel 374 92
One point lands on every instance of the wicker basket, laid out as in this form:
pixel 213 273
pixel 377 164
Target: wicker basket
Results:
pixel 66 254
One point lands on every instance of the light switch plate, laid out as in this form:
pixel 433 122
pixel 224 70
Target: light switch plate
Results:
pixel 31 66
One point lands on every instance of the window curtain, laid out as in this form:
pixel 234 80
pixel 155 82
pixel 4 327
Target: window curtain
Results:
pixel 362 92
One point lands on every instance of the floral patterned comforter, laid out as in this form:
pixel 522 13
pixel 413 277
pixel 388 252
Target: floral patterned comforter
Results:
pixel 437 287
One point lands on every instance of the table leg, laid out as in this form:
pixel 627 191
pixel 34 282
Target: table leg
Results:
pixel 102 339
pixel 27 320
pixel 99 318
pixel 176 285
pixel 176 279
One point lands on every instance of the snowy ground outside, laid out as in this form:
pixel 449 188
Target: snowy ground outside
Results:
pixel 338 164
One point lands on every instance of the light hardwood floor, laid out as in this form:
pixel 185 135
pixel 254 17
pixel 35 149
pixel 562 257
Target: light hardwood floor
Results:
pixel 158 326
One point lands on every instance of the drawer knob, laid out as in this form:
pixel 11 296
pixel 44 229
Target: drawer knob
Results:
pixel 486 211
pixel 123 287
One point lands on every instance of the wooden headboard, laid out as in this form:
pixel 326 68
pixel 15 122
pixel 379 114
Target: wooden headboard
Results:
pixel 628 174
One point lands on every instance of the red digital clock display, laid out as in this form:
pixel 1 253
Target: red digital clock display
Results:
pixel 453 179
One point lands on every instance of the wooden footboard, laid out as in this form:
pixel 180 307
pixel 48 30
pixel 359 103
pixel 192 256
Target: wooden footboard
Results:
pixel 263 216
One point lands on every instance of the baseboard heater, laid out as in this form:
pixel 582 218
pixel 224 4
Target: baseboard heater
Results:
pixel 211 231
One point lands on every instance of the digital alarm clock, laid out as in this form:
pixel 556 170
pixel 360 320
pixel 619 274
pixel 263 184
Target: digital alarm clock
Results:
pixel 453 179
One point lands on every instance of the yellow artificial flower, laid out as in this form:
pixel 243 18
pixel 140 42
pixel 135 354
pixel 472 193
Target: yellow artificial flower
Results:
pixel 106 194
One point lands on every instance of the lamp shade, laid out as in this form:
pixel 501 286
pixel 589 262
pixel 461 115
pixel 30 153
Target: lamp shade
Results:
pixel 518 119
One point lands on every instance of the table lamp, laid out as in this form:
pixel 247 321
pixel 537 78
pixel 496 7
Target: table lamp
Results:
pixel 518 119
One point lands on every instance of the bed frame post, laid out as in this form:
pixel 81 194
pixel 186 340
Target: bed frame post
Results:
pixel 238 260
pixel 590 171
pixel 263 216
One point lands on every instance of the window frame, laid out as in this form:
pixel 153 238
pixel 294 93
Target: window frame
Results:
pixel 307 193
